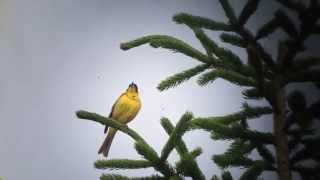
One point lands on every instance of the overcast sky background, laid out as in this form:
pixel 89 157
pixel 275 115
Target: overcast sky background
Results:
pixel 60 56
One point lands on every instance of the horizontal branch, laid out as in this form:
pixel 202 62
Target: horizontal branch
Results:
pixel 305 76
pixel 236 155
pixel 122 164
pixel 167 42
pixel 201 22
pixel 227 75
pixel 178 78
pixel 141 146
pixel 234 40
pixel 252 93
pixel 109 122
pixel 301 64
pixel 247 113
pixel 121 177
pixel 306 170
pixel 220 131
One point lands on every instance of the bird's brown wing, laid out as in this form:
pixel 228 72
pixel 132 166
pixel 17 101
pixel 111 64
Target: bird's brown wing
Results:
pixel 111 112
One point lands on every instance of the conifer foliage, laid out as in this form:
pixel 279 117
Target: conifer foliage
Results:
pixel 262 76
pixel 301 127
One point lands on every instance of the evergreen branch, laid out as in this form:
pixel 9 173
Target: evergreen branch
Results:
pixel 228 11
pixel 197 21
pixel 283 49
pixel 308 20
pixel 226 175
pixel 307 170
pixel 254 171
pixel 234 40
pixel 255 112
pixel 179 78
pixel 235 155
pixel 188 165
pixel 265 153
pixel 224 54
pixel 286 24
pixel 293 143
pixel 293 5
pixel 176 135
pixel 109 122
pixel 246 35
pixel 250 7
pixel 252 93
pixel 305 63
pixel 113 177
pixel 215 177
pixel 247 113
pixel 167 42
pixel 181 148
pixel 149 154
pixel 298 156
pixel 255 61
pixel 220 131
pixel 312 75
pixel 175 178
pixel 205 41
pixel 262 53
pixel 308 176
pixel 268 28
pixel 122 164
pixel 141 146
pixel 227 59
pixel 228 75
pixel 121 177
pixel 224 161
pixel 146 152
pixel 195 153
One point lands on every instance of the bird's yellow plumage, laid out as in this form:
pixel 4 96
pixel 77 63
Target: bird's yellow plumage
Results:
pixel 124 110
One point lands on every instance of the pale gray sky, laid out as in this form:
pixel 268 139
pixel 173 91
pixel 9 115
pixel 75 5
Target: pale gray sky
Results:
pixel 59 56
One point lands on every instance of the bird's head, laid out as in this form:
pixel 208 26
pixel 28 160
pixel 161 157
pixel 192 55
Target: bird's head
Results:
pixel 133 88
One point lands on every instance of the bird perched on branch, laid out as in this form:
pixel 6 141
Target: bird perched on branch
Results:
pixel 124 110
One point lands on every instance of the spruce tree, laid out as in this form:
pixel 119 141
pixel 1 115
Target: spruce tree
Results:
pixel 262 76
pixel 301 127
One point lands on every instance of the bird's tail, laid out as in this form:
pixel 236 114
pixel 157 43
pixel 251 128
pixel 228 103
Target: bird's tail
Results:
pixel 105 147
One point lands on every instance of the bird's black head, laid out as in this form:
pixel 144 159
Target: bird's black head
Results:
pixel 133 88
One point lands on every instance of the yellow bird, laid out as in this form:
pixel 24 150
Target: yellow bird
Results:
pixel 124 110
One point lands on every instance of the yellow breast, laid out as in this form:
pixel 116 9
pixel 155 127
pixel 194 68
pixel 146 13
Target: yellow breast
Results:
pixel 126 108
